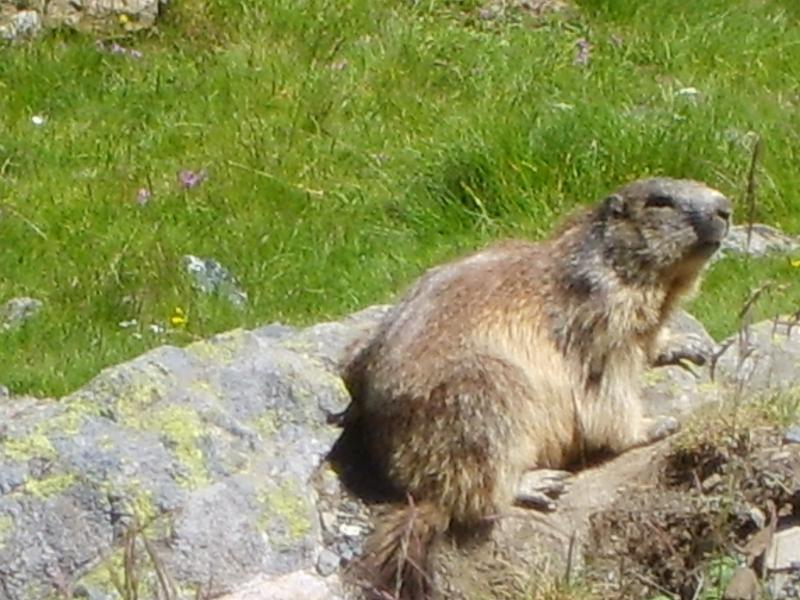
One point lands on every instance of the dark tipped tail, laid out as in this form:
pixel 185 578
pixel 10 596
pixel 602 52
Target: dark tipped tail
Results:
pixel 395 558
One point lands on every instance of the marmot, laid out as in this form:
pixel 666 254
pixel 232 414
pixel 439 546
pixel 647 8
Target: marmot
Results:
pixel 521 356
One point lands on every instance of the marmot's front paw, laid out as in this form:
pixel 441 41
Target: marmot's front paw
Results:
pixel 682 348
pixel 538 489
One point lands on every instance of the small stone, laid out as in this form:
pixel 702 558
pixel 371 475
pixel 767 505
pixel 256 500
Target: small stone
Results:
pixel 210 277
pixel 792 435
pixel 742 586
pixel 327 563
pixel 350 530
pixel 17 310
pixel 711 482
pixel 328 521
pixel 346 551
pixel 758 517
pixel 23 24
pixel 689 92
pixel 4 392
pixel 779 456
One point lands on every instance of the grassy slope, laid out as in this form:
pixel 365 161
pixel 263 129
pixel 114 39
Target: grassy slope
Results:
pixel 351 143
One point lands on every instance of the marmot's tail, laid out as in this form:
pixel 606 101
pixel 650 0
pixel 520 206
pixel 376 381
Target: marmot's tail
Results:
pixel 396 554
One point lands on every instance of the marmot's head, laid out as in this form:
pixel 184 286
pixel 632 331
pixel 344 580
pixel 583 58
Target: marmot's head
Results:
pixel 663 227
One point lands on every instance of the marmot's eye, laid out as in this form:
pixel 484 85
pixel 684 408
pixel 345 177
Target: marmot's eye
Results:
pixel 659 201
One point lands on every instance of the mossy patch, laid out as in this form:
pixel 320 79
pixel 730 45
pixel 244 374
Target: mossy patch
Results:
pixel 289 506
pixel 222 348
pixel 136 406
pixel 6 528
pixel 139 395
pixel 38 443
pixel 266 424
pixel 141 506
pixel 33 445
pixel 181 429
pixel 50 486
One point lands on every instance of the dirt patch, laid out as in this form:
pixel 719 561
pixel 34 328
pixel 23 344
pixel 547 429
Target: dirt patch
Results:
pixel 718 492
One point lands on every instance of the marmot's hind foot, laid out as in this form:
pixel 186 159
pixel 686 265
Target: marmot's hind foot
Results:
pixel 538 489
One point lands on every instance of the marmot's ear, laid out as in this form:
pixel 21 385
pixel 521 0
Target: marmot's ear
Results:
pixel 614 206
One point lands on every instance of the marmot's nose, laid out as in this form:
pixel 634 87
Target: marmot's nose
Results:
pixel 723 208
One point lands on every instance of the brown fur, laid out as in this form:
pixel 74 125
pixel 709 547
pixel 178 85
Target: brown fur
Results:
pixel 521 356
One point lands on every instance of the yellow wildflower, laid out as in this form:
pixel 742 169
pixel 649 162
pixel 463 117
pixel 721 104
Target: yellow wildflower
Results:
pixel 178 318
pixel 123 18
pixel 795 263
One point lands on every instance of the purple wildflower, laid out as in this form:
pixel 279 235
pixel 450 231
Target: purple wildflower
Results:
pixel 189 179
pixel 115 48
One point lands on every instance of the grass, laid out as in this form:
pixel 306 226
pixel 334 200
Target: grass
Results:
pixel 350 144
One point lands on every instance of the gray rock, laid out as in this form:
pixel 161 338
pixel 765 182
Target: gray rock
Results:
pixel 218 450
pixel 742 586
pixel 15 25
pixel 764 240
pixel 101 16
pixel 212 447
pixel 294 586
pixel 763 356
pixel 210 277
pixel 511 9
pixel 327 563
pixel 18 310
pixel 792 435
pixel 4 392
pixel 783 561
pixel 93 15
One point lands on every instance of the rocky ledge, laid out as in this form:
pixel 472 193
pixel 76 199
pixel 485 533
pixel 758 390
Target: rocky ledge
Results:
pixel 201 471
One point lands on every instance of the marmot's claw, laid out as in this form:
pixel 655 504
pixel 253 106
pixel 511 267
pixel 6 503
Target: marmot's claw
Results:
pixel 688 348
pixel 537 489
pixel 540 502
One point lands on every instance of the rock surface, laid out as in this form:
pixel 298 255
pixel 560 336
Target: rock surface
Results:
pixel 763 241
pixel 18 24
pixel 761 357
pixel 207 463
pixel 783 557
pixel 22 18
pixel 18 310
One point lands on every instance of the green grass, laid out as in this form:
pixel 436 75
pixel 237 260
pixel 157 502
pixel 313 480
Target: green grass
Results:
pixel 352 143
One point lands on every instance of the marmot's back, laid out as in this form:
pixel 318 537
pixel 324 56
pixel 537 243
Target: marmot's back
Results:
pixel 447 310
